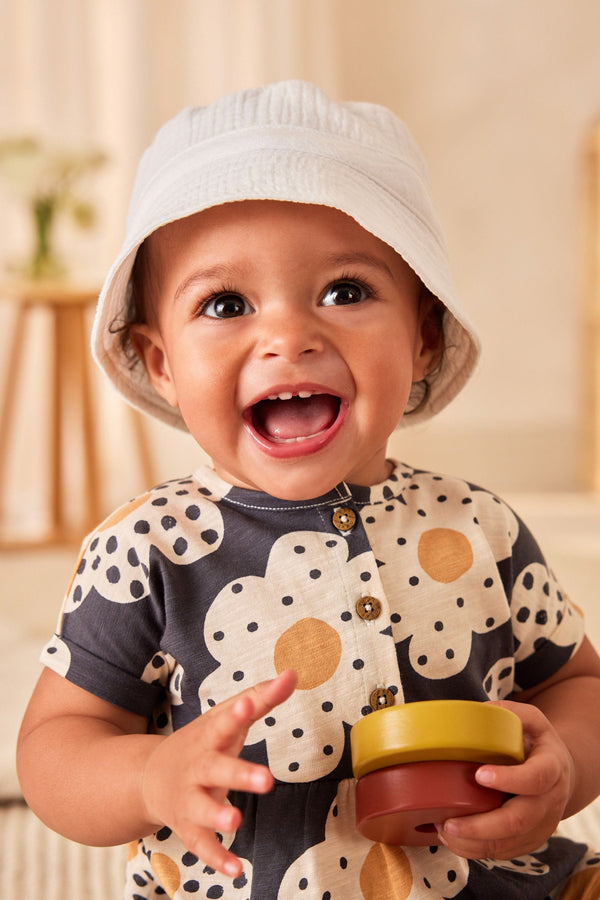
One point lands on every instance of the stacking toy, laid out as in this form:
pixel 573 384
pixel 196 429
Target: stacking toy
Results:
pixel 416 765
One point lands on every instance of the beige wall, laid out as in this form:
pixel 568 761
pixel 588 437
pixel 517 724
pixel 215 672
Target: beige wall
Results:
pixel 499 95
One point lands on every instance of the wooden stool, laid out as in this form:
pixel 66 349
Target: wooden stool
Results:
pixel 71 405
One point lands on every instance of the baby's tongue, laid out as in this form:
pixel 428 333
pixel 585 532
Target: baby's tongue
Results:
pixel 283 420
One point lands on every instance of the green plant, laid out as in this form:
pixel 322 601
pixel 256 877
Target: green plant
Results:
pixel 49 180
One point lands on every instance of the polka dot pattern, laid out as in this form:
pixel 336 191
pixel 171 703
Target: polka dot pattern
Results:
pixel 319 646
pixel 163 669
pixel 118 556
pixel 458 598
pixel 334 864
pixel 447 569
pixel 380 872
pixel 535 593
pixel 57 655
pixel 170 869
pixel 527 864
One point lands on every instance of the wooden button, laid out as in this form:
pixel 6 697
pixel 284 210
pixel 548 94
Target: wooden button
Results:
pixel 368 608
pixel 381 698
pixel 344 518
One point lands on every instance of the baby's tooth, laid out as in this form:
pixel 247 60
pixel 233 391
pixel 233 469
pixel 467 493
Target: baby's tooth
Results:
pixel 288 395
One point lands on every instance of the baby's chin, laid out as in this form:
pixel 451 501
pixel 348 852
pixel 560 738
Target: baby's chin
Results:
pixel 304 479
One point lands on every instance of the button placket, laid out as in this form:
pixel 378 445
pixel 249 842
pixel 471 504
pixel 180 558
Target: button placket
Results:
pixel 368 609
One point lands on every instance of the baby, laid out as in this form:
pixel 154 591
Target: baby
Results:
pixel 283 294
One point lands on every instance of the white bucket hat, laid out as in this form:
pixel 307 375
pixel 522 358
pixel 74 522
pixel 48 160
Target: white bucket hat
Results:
pixel 287 141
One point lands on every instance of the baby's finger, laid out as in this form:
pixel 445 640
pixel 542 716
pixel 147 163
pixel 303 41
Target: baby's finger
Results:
pixel 205 844
pixel 231 720
pixel 201 822
pixel 535 724
pixel 263 697
pixel 201 810
pixel 505 832
pixel 535 777
pixel 219 771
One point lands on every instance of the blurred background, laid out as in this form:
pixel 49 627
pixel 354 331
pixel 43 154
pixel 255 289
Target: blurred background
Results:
pixel 503 97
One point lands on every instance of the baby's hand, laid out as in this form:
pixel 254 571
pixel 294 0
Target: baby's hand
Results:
pixel 187 777
pixel 542 784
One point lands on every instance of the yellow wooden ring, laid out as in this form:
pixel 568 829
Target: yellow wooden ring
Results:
pixel 436 730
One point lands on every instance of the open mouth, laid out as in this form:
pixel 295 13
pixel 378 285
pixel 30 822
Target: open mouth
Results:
pixel 293 422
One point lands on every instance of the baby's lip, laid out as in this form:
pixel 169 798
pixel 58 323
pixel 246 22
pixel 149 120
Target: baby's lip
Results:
pixel 299 430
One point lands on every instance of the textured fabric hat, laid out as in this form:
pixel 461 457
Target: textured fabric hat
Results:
pixel 287 141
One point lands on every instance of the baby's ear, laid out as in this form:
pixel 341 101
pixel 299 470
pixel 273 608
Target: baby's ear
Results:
pixel 430 343
pixel 148 345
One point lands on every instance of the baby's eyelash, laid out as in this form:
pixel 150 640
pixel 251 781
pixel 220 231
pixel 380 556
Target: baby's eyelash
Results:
pixel 202 304
pixel 359 280
pixel 353 278
pixel 227 289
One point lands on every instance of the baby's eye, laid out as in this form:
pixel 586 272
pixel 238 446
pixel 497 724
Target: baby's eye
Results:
pixel 226 306
pixel 343 293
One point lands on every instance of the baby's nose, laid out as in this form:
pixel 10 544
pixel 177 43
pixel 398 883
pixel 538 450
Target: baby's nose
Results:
pixel 290 335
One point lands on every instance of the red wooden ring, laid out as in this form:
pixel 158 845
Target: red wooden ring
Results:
pixel 402 804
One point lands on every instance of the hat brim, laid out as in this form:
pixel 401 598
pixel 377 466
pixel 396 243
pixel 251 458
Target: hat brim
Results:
pixel 394 208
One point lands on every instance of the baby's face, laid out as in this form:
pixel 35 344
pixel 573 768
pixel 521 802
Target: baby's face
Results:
pixel 289 337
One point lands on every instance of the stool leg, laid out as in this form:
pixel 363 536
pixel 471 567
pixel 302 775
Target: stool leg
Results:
pixel 91 510
pixel 9 394
pixel 60 351
pixel 73 420
pixel 71 453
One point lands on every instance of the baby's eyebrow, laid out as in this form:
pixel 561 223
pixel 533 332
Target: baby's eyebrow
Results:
pixel 224 272
pixel 358 258
pixel 201 276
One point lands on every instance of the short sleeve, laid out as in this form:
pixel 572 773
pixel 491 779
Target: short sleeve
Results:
pixel 547 627
pixel 111 631
pixel 110 625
